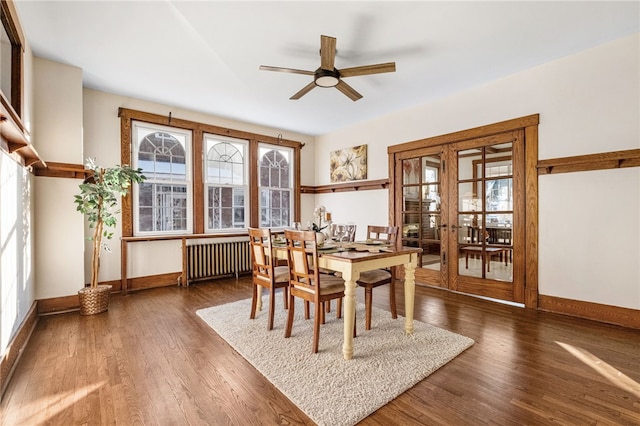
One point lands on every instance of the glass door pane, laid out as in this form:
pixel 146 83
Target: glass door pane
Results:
pixel 485 212
pixel 463 203
pixel 421 208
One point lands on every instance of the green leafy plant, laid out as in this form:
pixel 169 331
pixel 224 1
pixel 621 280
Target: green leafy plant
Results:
pixel 98 201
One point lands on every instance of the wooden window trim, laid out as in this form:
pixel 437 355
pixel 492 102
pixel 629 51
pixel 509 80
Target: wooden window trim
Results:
pixel 13 135
pixel 13 29
pixel 198 130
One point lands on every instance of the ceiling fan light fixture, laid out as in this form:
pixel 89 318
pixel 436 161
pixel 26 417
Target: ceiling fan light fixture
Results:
pixel 329 76
pixel 326 78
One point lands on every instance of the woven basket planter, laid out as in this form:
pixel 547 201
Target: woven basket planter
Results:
pixel 94 300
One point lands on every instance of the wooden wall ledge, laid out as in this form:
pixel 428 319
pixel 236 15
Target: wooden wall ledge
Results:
pixel 62 170
pixel 581 163
pixel 14 138
pixel 181 237
pixel 362 185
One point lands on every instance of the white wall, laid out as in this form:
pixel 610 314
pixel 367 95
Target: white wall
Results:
pixel 17 287
pixel 17 276
pixel 590 236
pixel 57 135
pixel 588 103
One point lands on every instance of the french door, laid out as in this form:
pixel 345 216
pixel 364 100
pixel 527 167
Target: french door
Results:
pixel 463 204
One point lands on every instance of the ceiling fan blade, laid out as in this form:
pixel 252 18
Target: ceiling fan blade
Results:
pixel 348 90
pixel 280 69
pixel 306 89
pixel 327 52
pixel 368 69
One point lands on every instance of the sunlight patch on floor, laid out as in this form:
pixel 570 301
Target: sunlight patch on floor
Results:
pixel 605 370
pixel 55 404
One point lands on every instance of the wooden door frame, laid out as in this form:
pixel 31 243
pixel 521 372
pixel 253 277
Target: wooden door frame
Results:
pixel 529 125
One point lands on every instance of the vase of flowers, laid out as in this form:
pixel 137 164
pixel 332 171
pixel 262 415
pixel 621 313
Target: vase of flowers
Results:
pixel 317 226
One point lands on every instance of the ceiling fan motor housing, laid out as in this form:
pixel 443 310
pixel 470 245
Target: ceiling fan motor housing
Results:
pixel 326 78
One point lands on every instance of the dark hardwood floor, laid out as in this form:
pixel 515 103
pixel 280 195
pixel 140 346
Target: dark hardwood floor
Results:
pixel 151 361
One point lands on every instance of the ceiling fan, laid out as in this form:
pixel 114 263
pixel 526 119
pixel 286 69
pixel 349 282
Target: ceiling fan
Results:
pixel 329 76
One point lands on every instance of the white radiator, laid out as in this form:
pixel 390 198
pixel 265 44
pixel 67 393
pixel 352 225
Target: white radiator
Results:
pixel 217 259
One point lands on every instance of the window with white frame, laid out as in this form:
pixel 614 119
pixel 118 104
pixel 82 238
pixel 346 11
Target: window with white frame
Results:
pixel 226 183
pixel 163 200
pixel 275 182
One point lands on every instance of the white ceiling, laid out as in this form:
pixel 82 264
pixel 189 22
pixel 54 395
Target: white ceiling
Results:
pixel 204 55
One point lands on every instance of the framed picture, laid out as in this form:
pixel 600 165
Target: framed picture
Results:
pixel 349 164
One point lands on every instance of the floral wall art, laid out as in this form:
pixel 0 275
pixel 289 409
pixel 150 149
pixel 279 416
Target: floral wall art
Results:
pixel 349 164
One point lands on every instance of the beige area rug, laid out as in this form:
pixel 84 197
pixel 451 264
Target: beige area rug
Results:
pixel 329 389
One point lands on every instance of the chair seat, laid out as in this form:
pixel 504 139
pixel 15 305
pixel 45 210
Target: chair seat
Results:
pixel 281 274
pixel 374 277
pixel 329 284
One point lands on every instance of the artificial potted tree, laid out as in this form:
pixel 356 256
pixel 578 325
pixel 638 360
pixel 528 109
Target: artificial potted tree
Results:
pixel 98 200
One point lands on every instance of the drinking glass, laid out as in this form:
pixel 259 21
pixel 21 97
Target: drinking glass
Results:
pixel 297 226
pixel 341 231
pixel 350 231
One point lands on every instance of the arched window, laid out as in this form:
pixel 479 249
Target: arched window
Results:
pixel 163 199
pixel 233 180
pixel 226 200
pixel 161 155
pixel 275 185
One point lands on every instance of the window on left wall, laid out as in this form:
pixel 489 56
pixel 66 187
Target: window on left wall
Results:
pixel 10 60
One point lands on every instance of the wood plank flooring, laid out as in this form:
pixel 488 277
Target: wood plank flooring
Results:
pixel 151 361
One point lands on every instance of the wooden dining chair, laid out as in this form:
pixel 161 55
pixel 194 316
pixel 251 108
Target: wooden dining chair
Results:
pixel 308 283
pixel 372 279
pixel 265 274
pixel 349 230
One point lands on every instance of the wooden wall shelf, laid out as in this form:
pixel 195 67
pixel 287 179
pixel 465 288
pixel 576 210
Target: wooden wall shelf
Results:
pixel 62 170
pixel 14 139
pixel 581 163
pixel 363 185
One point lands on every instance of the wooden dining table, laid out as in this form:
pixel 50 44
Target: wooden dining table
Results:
pixel 354 259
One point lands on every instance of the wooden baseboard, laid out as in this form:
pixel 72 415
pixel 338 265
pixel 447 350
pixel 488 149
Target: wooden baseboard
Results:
pixel 62 304
pixel 57 305
pixel 588 310
pixel 16 346
pixel 152 281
